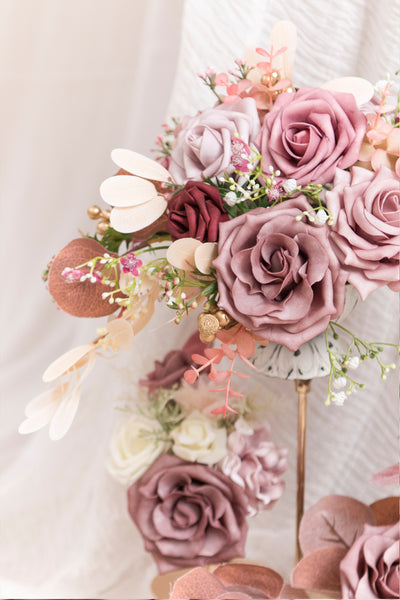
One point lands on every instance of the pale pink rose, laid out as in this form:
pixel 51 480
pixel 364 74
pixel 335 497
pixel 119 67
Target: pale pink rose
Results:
pixel 256 464
pixel 279 277
pixel 204 142
pixel 366 232
pixel 370 569
pixel 311 132
pixel 188 514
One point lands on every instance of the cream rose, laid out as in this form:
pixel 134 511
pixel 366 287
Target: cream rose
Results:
pixel 134 447
pixel 197 439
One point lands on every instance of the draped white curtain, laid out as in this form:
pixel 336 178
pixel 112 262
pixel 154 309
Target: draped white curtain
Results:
pixel 78 78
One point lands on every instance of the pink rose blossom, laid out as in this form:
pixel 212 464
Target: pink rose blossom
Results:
pixel 370 569
pixel 204 142
pixel 256 464
pixel 279 277
pixel 311 132
pixel 188 514
pixel 170 370
pixel 366 232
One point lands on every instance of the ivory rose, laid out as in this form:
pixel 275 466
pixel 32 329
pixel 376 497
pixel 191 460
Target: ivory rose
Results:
pixel 199 439
pixel 311 132
pixel 134 447
pixel 188 514
pixel 279 277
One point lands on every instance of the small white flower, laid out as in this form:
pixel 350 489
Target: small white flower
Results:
pixel 231 199
pixel 134 447
pixel 198 439
pixel 339 383
pixel 321 217
pixel 353 362
pixel 339 398
pixel 289 185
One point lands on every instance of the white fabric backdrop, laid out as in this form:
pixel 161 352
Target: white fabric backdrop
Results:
pixel 79 77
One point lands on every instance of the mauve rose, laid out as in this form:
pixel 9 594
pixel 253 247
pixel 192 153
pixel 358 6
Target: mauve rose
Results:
pixel 311 132
pixel 279 277
pixel 370 569
pixel 196 212
pixel 366 232
pixel 256 464
pixel 188 514
pixel 170 370
pixel 203 144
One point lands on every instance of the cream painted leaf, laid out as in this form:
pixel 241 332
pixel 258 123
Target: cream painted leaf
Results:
pixel 62 364
pixel 121 333
pixel 127 190
pixel 135 218
pixel 204 255
pixel 361 89
pixel 140 165
pixel 181 253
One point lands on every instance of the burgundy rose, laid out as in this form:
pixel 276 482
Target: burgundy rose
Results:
pixel 370 569
pixel 311 132
pixel 170 370
pixel 188 514
pixel 279 277
pixel 196 212
pixel 255 463
pixel 366 232
pixel 204 142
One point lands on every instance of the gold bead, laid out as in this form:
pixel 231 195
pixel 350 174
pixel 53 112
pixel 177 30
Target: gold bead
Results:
pixel 207 324
pixel 289 90
pixel 270 79
pixel 223 318
pixel 206 339
pixel 94 212
pixel 105 215
pixel 102 227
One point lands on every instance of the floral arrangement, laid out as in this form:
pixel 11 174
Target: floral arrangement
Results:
pixel 193 477
pixel 262 212
pixel 268 204
pixel 350 550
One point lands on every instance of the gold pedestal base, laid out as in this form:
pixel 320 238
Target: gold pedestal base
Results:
pixel 302 388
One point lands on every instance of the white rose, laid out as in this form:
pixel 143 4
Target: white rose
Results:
pixel 134 447
pixel 198 439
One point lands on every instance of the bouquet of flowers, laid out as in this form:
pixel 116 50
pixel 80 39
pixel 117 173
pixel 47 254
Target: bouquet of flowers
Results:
pixel 263 209
pixel 193 477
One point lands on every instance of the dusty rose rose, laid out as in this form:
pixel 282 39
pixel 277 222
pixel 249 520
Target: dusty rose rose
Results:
pixel 277 276
pixel 370 569
pixel 170 370
pixel 366 232
pixel 256 464
pixel 311 132
pixel 188 514
pixel 196 212
pixel 203 144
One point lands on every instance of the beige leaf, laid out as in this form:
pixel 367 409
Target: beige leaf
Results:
pixel 41 410
pixel 204 255
pixel 284 34
pixel 180 254
pixel 121 333
pixel 135 218
pixel 139 165
pixel 361 89
pixel 65 413
pixel 62 364
pixel 125 190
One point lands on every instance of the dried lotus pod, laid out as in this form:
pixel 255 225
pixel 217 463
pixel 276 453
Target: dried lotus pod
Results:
pixel 79 299
pixel 208 325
